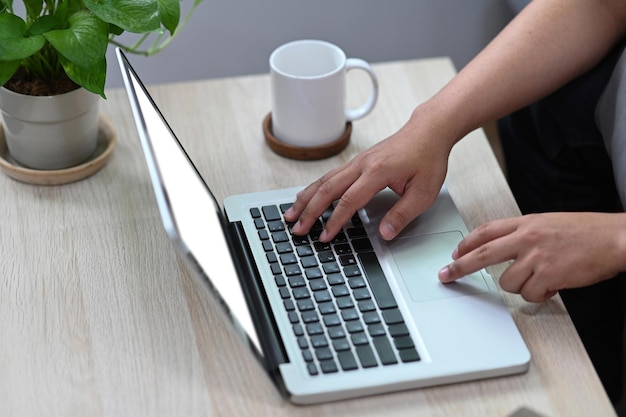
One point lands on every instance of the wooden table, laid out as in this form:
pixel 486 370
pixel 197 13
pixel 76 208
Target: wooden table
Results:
pixel 99 317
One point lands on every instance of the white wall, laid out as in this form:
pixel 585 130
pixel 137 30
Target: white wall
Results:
pixel 236 37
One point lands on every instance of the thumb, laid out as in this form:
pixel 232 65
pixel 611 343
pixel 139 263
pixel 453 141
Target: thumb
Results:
pixel 403 212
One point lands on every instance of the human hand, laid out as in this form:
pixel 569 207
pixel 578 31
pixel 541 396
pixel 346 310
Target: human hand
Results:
pixel 412 162
pixel 550 252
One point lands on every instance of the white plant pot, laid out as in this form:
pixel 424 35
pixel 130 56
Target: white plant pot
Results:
pixel 50 132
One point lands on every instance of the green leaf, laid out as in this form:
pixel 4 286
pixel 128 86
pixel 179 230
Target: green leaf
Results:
pixel 14 44
pixel 44 24
pixel 169 13
pixel 33 8
pixel 92 78
pixel 7 69
pixel 84 43
pixel 137 16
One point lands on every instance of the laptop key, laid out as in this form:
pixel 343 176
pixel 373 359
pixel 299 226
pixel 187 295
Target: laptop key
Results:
pixel 366 356
pixel 385 351
pixel 328 366
pixel 377 280
pixel 347 361
pixel 409 355
pixel 271 213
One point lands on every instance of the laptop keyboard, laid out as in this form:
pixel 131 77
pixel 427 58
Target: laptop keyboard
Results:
pixel 335 295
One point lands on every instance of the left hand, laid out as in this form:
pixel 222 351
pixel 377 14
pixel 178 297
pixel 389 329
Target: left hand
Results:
pixel 550 252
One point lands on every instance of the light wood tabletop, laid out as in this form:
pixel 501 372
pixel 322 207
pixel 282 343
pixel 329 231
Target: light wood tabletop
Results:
pixel 100 317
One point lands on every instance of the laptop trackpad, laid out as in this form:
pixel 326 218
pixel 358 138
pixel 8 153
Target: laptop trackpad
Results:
pixel 419 259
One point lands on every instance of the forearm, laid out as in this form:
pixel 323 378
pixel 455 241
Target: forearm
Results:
pixel 547 45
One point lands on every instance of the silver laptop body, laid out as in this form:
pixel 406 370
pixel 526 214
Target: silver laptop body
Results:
pixel 360 336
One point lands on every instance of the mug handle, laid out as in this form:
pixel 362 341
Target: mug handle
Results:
pixel 364 109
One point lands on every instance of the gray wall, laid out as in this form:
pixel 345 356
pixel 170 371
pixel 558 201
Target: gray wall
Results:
pixel 236 37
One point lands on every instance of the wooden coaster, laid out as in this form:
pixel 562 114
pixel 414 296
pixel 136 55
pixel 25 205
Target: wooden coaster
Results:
pixel 107 140
pixel 301 152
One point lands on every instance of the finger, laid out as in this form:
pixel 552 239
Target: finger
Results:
pixel 304 196
pixel 486 232
pixel 354 198
pixel 535 291
pixel 403 212
pixel 515 276
pixel 320 196
pixel 490 253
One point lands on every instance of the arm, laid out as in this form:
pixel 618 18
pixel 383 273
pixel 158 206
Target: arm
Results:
pixel 544 47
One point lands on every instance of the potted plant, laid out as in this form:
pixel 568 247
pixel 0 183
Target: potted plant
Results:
pixel 53 53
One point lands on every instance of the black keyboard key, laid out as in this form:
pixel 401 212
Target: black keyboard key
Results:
pixel 385 351
pixel 361 294
pixel 366 356
pixel 288 258
pixel 319 341
pixel 255 212
pixel 340 290
pixel 409 355
pixel 284 293
pixel 403 342
pixel 284 247
pixel 313 273
pixel 291 270
pixel 340 238
pixel 310 317
pixel 296 281
pixel 343 249
pixel 293 317
pixel 347 260
pixel 302 342
pixel 378 283
pixel 349 314
pixel 366 305
pixel 317 284
pixel 376 330
pixel 263 235
pixel 305 304
pixel 326 256
pixel 356 220
pixel 322 296
pixel 323 354
pixel 305 250
pixel 362 245
pixel 331 268
pixel 347 361
pixel 308 262
pixel 335 279
pixel 341 345
pixel 312 369
pixel 280 280
pixel 279 237
pixel 314 328
pixel 352 271
pixel 331 320
pixel 327 308
pixel 400 329
pixel 300 240
pixel 285 206
pixel 267 245
pixel 276 226
pixel 344 302
pixel 371 317
pixel 271 213
pixel 259 224
pixel 298 330
pixel 289 305
pixel 321 246
pixel 393 316
pixel 300 293
pixel 357 282
pixel 356 232
pixel 336 332
pixel 328 366
pixel 276 269
pixel 354 327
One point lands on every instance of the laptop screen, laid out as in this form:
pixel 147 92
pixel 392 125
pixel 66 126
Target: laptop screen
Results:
pixel 190 214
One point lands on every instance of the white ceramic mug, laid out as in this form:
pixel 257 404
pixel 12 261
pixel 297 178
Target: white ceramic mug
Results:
pixel 308 88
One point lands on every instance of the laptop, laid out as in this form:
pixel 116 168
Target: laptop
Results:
pixel 357 316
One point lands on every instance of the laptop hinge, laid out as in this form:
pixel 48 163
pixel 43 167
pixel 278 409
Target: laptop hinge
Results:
pixel 273 349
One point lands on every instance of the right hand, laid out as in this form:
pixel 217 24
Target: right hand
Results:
pixel 412 162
